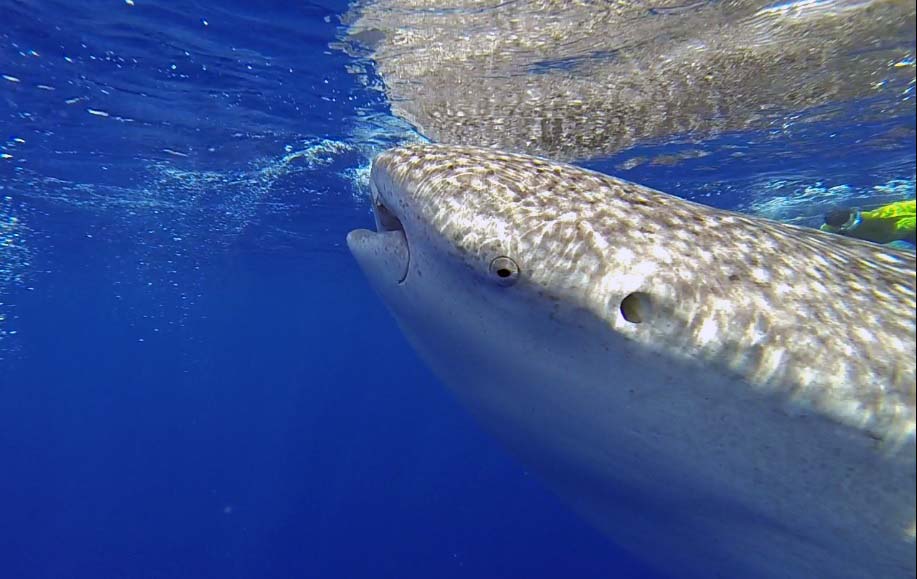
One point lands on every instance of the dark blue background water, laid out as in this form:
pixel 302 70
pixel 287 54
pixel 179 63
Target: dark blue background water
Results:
pixel 195 380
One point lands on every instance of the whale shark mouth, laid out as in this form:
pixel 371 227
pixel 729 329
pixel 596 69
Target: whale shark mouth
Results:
pixel 390 227
pixel 385 220
pixel 385 250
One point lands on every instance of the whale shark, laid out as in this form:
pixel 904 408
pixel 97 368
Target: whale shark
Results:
pixel 723 395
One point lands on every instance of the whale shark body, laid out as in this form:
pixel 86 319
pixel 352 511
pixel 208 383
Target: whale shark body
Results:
pixel 725 395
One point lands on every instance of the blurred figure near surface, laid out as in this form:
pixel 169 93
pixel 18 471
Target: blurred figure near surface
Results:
pixel 892 224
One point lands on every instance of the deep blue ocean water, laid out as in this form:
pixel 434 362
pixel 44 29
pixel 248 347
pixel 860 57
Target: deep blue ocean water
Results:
pixel 195 379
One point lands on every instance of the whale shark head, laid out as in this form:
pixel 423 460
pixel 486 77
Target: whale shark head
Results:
pixel 667 367
pixel 483 261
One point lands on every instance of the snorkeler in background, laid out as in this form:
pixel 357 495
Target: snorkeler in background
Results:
pixel 891 224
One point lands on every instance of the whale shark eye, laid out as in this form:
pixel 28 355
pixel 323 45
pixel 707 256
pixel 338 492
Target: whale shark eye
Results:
pixel 504 270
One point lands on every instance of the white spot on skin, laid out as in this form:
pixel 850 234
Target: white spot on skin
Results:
pixel 624 256
pixel 865 335
pixel 806 376
pixel 661 253
pixel 760 275
pixel 708 332
pixel 645 269
pixel 894 343
pixel 723 306
pixel 596 240
pixel 773 359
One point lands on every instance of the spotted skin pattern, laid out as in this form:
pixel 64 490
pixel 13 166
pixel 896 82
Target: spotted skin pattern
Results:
pixel 827 322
